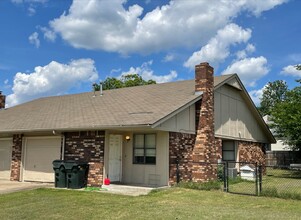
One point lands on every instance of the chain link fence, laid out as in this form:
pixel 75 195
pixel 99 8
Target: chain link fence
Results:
pixel 252 179
pixel 282 181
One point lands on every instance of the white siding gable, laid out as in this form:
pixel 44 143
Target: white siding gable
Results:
pixel 183 122
pixel 233 116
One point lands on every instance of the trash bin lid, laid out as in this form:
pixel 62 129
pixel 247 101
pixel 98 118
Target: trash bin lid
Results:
pixel 57 163
pixel 69 164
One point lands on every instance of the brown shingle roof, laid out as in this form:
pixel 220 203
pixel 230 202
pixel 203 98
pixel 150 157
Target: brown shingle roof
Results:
pixel 134 106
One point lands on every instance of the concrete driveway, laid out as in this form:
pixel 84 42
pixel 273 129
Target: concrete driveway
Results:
pixel 7 186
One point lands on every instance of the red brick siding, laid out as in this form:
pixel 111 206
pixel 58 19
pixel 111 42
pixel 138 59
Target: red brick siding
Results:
pixel 87 146
pixel 219 148
pixel 251 152
pixel 16 157
pixel 2 101
pixel 180 147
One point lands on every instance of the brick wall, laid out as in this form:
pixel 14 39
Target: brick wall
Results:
pixel 87 146
pixel 218 148
pixel 16 157
pixel 251 152
pixel 2 100
pixel 180 148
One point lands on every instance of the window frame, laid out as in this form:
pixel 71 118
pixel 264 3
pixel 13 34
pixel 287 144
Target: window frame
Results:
pixel 144 149
pixel 234 150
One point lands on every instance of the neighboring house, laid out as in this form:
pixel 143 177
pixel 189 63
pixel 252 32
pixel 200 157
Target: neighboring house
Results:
pixel 279 145
pixel 136 135
pixel 279 153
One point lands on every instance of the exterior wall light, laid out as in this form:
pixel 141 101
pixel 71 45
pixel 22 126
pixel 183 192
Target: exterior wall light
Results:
pixel 127 138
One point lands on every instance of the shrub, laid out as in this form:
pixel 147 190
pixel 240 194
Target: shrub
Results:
pixel 211 185
pixel 220 172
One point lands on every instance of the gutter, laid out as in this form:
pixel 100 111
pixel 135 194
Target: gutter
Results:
pixel 104 127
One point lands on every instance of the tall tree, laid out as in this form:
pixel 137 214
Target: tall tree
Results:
pixel 125 81
pixel 112 83
pixel 286 118
pixel 273 93
pixel 298 67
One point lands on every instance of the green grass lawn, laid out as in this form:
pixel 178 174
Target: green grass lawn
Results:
pixel 275 182
pixel 174 203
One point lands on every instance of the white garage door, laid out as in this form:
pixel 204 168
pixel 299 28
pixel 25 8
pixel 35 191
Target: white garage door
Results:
pixel 39 154
pixel 5 158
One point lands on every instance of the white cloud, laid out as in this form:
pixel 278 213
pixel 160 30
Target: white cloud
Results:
pixel 218 47
pixel 6 81
pixel 52 79
pixel 115 70
pixel 31 11
pixel 249 69
pixel 256 95
pixel 250 48
pixel 169 58
pixel 108 25
pixel 147 73
pixel 48 34
pixel 34 39
pixel 258 6
pixel 291 70
pixel 29 1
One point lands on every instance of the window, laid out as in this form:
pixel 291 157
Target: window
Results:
pixel 228 151
pixel 145 149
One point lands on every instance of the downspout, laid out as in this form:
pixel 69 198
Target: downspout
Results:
pixel 63 147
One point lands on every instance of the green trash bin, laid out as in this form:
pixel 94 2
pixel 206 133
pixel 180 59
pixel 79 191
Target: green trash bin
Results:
pixel 59 174
pixel 76 174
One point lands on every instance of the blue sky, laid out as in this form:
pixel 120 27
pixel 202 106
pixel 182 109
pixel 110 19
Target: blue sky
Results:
pixel 55 47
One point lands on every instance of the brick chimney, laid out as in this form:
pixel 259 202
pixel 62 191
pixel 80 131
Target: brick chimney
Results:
pixel 204 155
pixel 2 100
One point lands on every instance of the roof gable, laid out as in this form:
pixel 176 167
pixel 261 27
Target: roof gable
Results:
pixel 234 81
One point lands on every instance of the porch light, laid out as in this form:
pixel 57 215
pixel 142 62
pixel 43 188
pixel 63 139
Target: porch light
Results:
pixel 127 138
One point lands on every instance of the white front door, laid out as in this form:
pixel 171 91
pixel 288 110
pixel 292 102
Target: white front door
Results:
pixel 115 155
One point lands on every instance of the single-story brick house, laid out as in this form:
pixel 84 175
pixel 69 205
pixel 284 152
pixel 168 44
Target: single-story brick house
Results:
pixel 135 135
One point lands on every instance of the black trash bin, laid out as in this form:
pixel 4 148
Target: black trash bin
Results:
pixel 59 174
pixel 76 174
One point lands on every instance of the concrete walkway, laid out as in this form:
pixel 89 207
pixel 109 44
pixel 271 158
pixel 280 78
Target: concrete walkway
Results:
pixel 127 190
pixel 7 186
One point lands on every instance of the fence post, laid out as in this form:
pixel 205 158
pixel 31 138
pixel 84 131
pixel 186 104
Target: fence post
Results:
pixel 257 179
pixel 260 179
pixel 226 189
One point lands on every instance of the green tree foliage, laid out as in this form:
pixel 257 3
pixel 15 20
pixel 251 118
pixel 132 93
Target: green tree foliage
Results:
pixel 112 83
pixel 298 67
pixel 125 81
pixel 273 93
pixel 286 118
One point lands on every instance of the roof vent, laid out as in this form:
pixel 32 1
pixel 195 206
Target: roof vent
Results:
pixel 97 87
pixel 100 88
